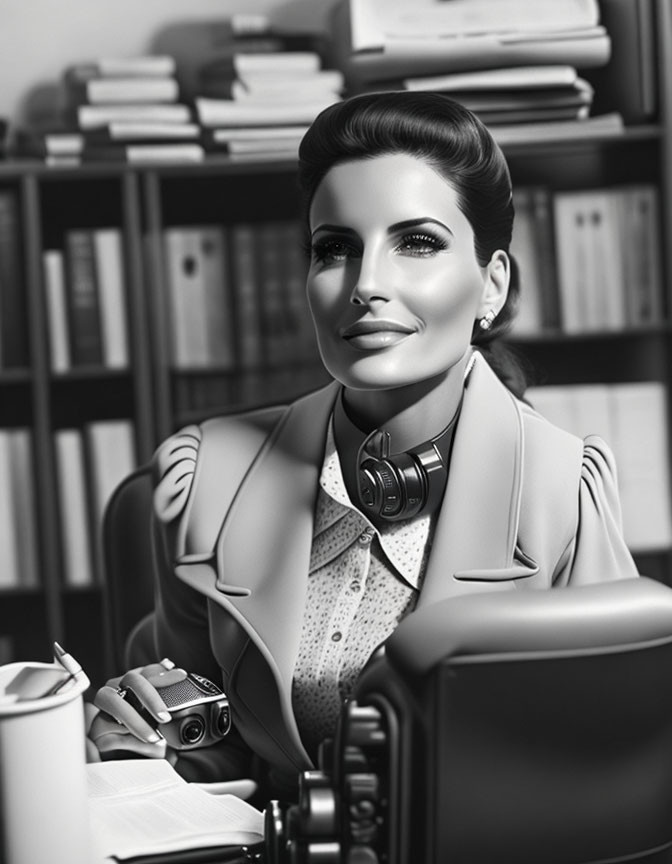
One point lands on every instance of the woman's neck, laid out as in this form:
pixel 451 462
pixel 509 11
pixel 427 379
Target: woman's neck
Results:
pixel 409 414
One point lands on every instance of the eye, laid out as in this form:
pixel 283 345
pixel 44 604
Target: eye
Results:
pixel 420 244
pixel 331 250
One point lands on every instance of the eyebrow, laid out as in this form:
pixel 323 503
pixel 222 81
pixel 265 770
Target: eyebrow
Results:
pixel 397 226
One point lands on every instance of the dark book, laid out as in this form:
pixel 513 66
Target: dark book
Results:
pixel 84 323
pixel 14 351
pixel 627 83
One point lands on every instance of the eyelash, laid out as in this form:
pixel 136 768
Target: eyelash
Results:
pixel 419 245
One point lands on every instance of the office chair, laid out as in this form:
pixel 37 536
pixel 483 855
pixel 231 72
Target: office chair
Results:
pixel 511 727
pixel 127 561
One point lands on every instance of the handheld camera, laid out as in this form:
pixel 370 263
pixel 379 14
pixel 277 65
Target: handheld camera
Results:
pixel 199 710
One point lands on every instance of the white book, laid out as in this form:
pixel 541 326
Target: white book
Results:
pixel 73 508
pixel 53 266
pixel 196 260
pixel 137 130
pixel 641 448
pixel 142 66
pixel 257 133
pixel 10 573
pixel 109 256
pixel 298 62
pixel 110 455
pixel 508 78
pixel 95 116
pixel 256 146
pixel 325 80
pixel 573 259
pixel 105 91
pixel 606 289
pixel 25 509
pixel 228 112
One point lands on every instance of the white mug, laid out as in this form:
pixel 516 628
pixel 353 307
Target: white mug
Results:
pixel 43 785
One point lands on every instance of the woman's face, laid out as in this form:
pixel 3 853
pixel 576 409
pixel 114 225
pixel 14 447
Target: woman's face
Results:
pixel 394 286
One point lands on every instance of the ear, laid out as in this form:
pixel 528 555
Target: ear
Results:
pixel 497 274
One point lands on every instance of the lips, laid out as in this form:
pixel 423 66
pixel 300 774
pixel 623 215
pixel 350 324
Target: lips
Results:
pixel 374 333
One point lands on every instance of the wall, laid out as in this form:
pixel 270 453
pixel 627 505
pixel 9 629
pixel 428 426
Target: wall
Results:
pixel 38 38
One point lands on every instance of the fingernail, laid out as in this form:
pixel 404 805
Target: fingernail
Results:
pixel 164 716
pixel 153 738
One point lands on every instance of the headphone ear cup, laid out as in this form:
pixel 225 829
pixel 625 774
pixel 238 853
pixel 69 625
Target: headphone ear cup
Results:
pixel 393 488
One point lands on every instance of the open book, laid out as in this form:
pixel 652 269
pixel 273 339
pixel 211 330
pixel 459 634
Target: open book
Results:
pixel 143 807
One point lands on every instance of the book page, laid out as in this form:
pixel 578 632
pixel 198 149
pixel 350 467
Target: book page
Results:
pixel 143 807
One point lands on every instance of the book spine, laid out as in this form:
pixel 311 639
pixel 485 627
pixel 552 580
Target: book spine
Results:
pixel 83 301
pixel 218 307
pixel 24 505
pixel 606 298
pixel 572 242
pixel 183 252
pixel 110 276
pixel 109 448
pixel 524 251
pixel 53 267
pixel 13 313
pixel 547 273
pixel 640 446
pixel 75 530
pixel 10 574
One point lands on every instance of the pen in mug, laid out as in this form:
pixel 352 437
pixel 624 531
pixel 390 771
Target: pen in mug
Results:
pixel 68 662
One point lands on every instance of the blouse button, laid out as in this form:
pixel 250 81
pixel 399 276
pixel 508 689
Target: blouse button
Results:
pixel 365 537
pixel 336 637
pixel 355 586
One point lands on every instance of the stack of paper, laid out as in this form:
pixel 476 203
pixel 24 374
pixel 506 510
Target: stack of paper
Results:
pixel 510 62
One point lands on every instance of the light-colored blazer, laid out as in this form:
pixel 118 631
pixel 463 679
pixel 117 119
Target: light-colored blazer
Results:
pixel 234 503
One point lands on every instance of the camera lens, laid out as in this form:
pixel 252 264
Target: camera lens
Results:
pixel 192 730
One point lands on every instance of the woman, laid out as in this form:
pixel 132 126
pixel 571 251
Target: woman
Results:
pixel 291 541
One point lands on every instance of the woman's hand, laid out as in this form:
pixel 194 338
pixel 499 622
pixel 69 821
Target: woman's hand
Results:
pixel 119 726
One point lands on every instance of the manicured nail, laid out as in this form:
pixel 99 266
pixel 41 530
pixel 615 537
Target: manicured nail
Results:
pixel 164 716
pixel 154 738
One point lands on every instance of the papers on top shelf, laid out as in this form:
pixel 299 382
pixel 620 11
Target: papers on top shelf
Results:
pixel 508 78
pixel 375 22
pixel 143 807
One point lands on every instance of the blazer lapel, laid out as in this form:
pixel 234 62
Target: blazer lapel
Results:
pixel 264 547
pixel 475 537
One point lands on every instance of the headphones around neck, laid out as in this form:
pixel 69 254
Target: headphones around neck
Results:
pixel 399 486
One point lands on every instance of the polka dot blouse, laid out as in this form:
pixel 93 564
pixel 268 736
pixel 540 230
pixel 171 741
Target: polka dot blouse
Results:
pixel 362 582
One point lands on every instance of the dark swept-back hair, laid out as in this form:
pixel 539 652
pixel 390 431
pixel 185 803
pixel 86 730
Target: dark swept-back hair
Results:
pixel 451 139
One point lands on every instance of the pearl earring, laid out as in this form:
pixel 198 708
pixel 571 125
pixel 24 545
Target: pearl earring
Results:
pixel 485 322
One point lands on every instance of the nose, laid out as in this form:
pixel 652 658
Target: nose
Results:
pixel 371 282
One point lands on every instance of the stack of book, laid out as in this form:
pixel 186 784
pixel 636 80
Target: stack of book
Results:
pixel 125 109
pixel 516 65
pixel 262 90
pixel 235 303
pixel 85 295
pixel 589 260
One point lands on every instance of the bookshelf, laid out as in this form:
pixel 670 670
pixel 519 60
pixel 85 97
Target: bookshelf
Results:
pixel 158 395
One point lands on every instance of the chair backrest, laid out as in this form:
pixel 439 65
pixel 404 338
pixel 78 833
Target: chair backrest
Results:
pixel 127 561
pixel 525 727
